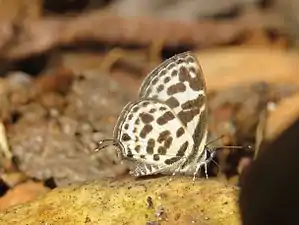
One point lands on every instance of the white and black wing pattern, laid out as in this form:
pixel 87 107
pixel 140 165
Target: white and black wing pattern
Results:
pixel 149 133
pixel 165 131
pixel 179 82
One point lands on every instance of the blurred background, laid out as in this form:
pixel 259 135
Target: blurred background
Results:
pixel 68 67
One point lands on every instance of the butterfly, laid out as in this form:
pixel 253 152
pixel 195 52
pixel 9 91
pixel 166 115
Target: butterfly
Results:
pixel 165 130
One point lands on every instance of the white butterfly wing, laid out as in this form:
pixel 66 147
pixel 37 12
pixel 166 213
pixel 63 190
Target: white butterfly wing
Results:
pixel 179 83
pixel 150 133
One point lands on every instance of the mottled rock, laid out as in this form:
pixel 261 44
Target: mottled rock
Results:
pixel 152 201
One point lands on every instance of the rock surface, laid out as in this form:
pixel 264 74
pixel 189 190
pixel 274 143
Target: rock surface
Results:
pixel 153 201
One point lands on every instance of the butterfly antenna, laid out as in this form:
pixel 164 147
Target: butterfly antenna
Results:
pixel 105 143
pixel 214 140
pixel 214 148
pixel 230 146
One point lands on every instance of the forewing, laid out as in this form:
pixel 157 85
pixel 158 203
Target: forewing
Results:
pixel 150 133
pixel 179 83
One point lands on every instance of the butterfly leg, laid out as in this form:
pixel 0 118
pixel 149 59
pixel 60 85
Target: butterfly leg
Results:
pixel 199 165
pixel 208 157
pixel 180 164
pixel 206 170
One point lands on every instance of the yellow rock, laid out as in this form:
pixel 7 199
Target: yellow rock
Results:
pixel 153 201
